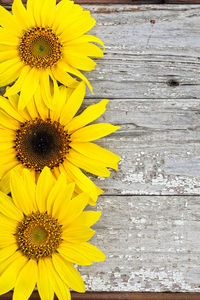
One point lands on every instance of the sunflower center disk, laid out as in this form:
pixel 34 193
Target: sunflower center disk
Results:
pixel 41 143
pixel 40 47
pixel 38 235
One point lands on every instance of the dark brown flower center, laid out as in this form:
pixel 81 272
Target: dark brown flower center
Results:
pixel 41 143
pixel 40 47
pixel 38 235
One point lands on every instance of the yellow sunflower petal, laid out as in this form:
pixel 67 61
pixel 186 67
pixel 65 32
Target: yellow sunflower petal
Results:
pixel 20 195
pixel 13 99
pixel 66 8
pixel 5 16
pixel 77 234
pixel 74 209
pixel 73 104
pixel 86 49
pixel 9 163
pixel 83 24
pixel 8 155
pixel 68 273
pixel 6 167
pixel 8 121
pixel 34 8
pixel 16 87
pixel 71 70
pixel 85 39
pixel 29 180
pixel 6 239
pixel 5 47
pixel 44 185
pixel 92 252
pixel 98 153
pixel 6 146
pixel 6 19
pixel 82 181
pixel 58 105
pixel 81 254
pixel 7 252
pixel 9 276
pixel 8 208
pixel 48 12
pixel 90 114
pixel 90 165
pixel 8 39
pixel 59 287
pixel 80 62
pixel 43 284
pixel 32 79
pixel 93 132
pixel 23 18
pixel 62 200
pixel 25 283
pixel 31 109
pixel 41 107
pixel 64 77
pixel 11 73
pixel 5 183
pixel 8 64
pixel 57 193
pixel 88 218
pixel 46 88
pixel 71 253
pixel 7 135
pixel 7 107
pixel 5 263
pixel 7 55
pixel 8 225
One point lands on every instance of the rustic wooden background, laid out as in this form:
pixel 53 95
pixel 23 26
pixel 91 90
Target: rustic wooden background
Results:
pixel 151 207
pixel 150 221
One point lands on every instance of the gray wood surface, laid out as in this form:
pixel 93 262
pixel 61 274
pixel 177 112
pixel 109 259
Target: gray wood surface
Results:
pixel 151 222
pixel 151 207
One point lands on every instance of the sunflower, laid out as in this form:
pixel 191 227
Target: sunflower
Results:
pixel 43 232
pixel 39 136
pixel 45 43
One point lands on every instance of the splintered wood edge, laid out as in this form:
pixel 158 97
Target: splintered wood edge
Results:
pixel 120 296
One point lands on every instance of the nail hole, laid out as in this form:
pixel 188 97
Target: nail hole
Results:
pixel 172 82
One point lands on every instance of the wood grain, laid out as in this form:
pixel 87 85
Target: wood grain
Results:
pixel 142 58
pixel 159 146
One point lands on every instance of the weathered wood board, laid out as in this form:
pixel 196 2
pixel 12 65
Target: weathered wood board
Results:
pixel 151 75
pixel 151 208
pixel 151 242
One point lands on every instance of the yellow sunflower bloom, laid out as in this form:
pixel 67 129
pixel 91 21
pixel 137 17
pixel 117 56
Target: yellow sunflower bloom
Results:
pixel 45 42
pixel 43 232
pixel 39 136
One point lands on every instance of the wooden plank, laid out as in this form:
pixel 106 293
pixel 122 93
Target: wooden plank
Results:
pixel 151 244
pixel 151 51
pixel 159 146
pixel 122 296
pixel 142 58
